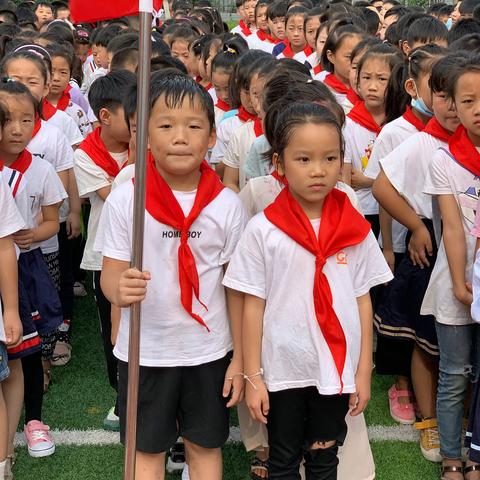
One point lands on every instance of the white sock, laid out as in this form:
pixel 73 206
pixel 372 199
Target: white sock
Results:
pixel 3 468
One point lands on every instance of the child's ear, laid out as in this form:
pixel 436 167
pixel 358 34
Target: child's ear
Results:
pixel 406 49
pixel 410 88
pixel 331 57
pixel 277 164
pixel 104 117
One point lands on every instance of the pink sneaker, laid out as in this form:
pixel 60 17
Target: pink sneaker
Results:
pixel 401 413
pixel 38 438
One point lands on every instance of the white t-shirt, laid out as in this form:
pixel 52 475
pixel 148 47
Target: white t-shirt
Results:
pixel 78 115
pixel 69 128
pixel 224 133
pixel 270 265
pixel 238 31
pixel 255 43
pixel 260 192
pixel 299 57
pixel 44 189
pixel 18 187
pixel 313 61
pixel 219 114
pixel 447 177
pixel 358 146
pixel 237 150
pixel 125 174
pixel 51 144
pixel 391 136
pixel 11 221
pixel 169 336
pixel 90 178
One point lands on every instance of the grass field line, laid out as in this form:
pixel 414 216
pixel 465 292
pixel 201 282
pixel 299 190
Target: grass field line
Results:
pixel 378 433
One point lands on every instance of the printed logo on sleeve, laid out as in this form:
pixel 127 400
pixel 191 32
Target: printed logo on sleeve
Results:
pixel 342 258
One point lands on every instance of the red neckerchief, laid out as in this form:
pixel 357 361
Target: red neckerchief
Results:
pixel 464 151
pixel 94 147
pixel 64 100
pixel 335 84
pixel 279 178
pixel 23 161
pixel 359 114
pixel 341 226
pixel 317 69
pixel 198 78
pixel 244 28
pixel 434 129
pixel 37 126
pixel 265 37
pixel 208 87
pixel 289 53
pixel 222 105
pixel 352 96
pixel 244 116
pixel 410 117
pixel 48 110
pixel 162 205
pixel 257 127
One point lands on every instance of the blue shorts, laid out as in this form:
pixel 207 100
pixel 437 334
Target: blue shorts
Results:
pixel 4 370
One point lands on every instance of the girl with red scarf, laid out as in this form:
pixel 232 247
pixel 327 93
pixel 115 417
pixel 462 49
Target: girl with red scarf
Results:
pixel 399 188
pixel 306 265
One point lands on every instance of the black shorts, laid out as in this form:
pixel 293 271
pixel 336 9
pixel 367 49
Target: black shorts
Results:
pixel 177 401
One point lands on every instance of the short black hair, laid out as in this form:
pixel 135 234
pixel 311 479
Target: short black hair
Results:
pixel 398 10
pixel 404 23
pixel 130 103
pixel 176 88
pixel 426 30
pixel 469 43
pixel 61 51
pixel 109 91
pixel 42 4
pixel 463 27
pixel 439 78
pixel 468 6
pixel 123 57
pixel 277 9
pixel 124 40
pixel 103 35
pixel 12 87
pixel 163 62
pixel 372 20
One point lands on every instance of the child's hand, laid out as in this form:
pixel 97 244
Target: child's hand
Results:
pixel 23 239
pixel 464 295
pixel 360 399
pixel 13 328
pixel 359 180
pixel 257 400
pixel 73 225
pixel 234 382
pixel 420 246
pixel 132 287
pixel 390 259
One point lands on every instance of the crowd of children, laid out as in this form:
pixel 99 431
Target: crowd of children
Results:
pixel 312 182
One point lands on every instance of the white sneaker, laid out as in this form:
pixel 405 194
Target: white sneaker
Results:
pixel 79 289
pixel 185 475
pixel 111 421
pixel 38 438
pixel 176 459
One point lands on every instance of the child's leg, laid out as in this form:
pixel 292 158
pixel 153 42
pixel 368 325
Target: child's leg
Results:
pixel 424 380
pixel 13 393
pixel 455 370
pixel 3 431
pixel 326 429
pixel 286 432
pixel 149 466
pixel 33 384
pixel 204 463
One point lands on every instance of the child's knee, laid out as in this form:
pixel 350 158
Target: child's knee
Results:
pixel 194 451
pixel 149 466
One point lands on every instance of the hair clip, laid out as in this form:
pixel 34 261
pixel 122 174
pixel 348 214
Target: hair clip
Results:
pixel 309 81
pixel 7 80
pixel 231 50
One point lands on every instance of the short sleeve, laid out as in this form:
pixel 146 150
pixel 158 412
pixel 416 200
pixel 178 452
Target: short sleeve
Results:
pixel 348 147
pixel 64 153
pixel 381 148
pixel 72 132
pixel 90 177
pixel 369 266
pixel 246 196
pixel 436 181
pixel 11 220
pixel 113 234
pixel 231 157
pixel 53 190
pixel 476 225
pixel 246 271
pixel 237 222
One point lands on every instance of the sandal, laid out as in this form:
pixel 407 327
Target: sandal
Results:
pixel 258 465
pixel 446 469
pixel 62 354
pixel 470 469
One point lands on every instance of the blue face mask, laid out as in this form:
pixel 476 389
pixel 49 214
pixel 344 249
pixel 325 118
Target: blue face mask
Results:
pixel 419 105
pixel 449 23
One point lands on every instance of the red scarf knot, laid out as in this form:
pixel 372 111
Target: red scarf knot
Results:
pixel 464 151
pixel 23 161
pixel 359 114
pixel 245 116
pixel 162 205
pixel 410 117
pixel 335 84
pixel 436 130
pixel 341 226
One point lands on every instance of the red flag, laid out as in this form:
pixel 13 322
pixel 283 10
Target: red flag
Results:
pixel 90 11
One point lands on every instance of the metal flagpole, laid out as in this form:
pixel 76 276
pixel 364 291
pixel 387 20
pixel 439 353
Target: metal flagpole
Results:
pixel 143 89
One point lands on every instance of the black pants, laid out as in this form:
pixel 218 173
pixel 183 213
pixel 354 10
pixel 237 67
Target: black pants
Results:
pixel 297 419
pixel 33 384
pixel 104 313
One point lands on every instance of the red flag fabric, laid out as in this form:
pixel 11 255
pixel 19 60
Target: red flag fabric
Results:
pixel 95 11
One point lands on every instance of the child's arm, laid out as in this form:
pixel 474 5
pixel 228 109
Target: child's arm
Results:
pixel 420 244
pixel 256 394
pixel 115 319
pixel 9 292
pixel 359 180
pixel 363 377
pixel 73 220
pixel 47 229
pixel 386 230
pixel 455 247
pixel 231 178
pixel 234 381
pixel 104 192
pixel 122 285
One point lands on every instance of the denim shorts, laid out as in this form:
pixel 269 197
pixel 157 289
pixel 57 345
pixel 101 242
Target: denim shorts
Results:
pixel 4 371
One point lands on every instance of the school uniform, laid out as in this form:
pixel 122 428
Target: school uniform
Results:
pixel 62 120
pixel 261 40
pixel 360 133
pixel 215 221
pixel 239 146
pixel 351 99
pixel 243 30
pixel 269 263
pixel 220 108
pixel 338 88
pixel 224 132
pixel 284 50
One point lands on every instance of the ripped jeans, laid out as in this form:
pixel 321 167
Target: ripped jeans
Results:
pixel 298 418
pixel 459 365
